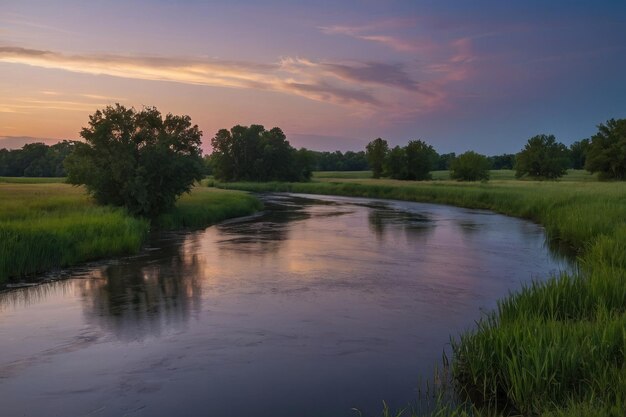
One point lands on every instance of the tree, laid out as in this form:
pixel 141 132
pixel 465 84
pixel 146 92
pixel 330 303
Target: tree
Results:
pixel 376 152
pixel 35 160
pixel 607 150
pixel 542 157
pixel 137 159
pixel 444 160
pixel 420 158
pixel 504 161
pixel 470 166
pixel 396 164
pixel 254 154
pixel 578 153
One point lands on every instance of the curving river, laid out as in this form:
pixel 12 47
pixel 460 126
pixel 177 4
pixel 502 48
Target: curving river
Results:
pixel 313 307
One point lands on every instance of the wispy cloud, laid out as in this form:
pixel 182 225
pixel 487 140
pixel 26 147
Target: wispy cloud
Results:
pixel 352 83
pixel 373 33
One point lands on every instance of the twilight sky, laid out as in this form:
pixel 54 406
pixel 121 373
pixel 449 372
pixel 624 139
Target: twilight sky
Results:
pixel 480 75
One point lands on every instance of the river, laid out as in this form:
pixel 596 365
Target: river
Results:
pixel 313 307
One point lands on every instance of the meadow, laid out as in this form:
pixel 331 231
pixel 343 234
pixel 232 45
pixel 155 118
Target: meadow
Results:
pixel 46 224
pixel 557 347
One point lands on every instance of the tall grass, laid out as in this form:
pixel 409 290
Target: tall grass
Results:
pixel 205 206
pixel 555 348
pixel 50 225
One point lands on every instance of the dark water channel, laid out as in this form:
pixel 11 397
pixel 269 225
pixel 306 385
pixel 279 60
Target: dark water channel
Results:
pixel 315 306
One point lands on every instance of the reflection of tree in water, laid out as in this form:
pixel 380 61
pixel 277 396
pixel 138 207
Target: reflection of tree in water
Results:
pixel 415 225
pixel 265 233
pixel 146 295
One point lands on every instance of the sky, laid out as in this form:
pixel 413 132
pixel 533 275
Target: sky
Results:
pixel 461 75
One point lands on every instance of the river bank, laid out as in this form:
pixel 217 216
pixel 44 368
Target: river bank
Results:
pixel 46 225
pixel 553 348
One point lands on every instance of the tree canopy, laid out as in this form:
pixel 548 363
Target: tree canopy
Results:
pixel 251 153
pixel 607 151
pixel 137 159
pixel 376 152
pixel 470 166
pixel 420 160
pixel 542 157
pixel 35 160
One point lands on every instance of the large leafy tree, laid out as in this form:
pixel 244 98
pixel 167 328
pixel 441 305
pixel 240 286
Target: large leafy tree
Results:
pixel 607 151
pixel 395 163
pixel 470 166
pixel 251 153
pixel 421 159
pixel 542 158
pixel 137 159
pixel 376 152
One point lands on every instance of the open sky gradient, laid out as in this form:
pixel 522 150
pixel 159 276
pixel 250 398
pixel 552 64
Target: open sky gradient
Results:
pixel 480 75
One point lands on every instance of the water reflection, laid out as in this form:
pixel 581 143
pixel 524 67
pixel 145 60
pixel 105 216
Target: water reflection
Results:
pixel 383 217
pixel 142 297
pixel 310 308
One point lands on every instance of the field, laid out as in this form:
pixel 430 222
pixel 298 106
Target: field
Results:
pixel 555 348
pixel 46 224
pixel 502 174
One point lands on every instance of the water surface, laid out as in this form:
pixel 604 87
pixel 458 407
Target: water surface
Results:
pixel 313 307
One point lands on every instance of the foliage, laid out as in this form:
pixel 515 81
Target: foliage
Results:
pixel 578 153
pixel 470 166
pixel 504 161
pixel 420 160
pixel 255 154
pixel 396 163
pixel 137 159
pixel 35 160
pixel 542 157
pixel 607 150
pixel 45 226
pixel 444 161
pixel 376 152
pixel 338 161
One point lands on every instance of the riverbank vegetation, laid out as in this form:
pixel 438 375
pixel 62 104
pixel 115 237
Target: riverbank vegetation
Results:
pixel 555 347
pixel 51 225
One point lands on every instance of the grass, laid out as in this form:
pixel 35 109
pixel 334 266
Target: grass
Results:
pixel 555 348
pixel 46 225
pixel 32 180
pixel 501 174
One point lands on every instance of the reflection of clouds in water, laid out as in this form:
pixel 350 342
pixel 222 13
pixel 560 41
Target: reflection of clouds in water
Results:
pixel 268 231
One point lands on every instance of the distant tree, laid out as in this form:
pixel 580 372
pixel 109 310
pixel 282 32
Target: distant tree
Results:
pixel 421 158
pixel 542 157
pixel 504 161
pixel 376 152
pixel 396 164
pixel 578 153
pixel 254 154
pixel 444 160
pixel 137 159
pixel 607 150
pixel 470 166
pixel 35 160
pixel 338 161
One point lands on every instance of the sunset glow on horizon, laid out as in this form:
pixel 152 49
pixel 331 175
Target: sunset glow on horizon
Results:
pixel 484 76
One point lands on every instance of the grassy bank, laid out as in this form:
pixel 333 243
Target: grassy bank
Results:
pixel 554 348
pixel 46 224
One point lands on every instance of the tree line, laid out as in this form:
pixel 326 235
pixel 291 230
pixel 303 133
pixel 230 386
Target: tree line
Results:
pixel 541 158
pixel 35 160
